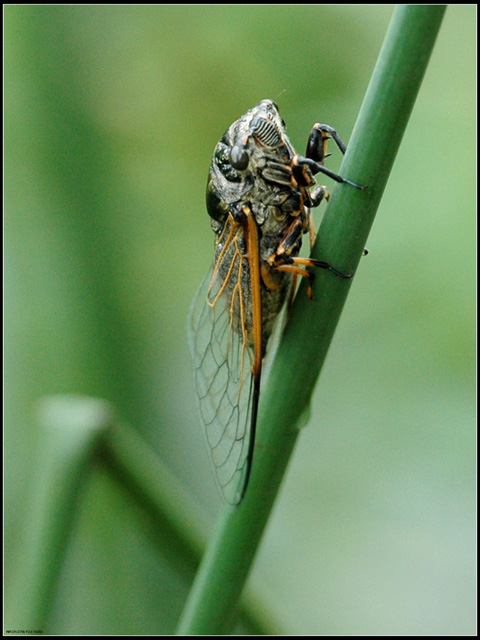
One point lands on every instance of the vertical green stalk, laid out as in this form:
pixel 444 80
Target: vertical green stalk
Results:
pixel 210 608
pixel 70 429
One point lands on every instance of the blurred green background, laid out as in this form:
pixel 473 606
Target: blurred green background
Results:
pixel 111 117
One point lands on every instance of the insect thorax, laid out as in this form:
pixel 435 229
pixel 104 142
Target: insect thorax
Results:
pixel 251 167
pixel 264 184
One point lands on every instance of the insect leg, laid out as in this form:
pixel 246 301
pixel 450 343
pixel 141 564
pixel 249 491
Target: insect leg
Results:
pixel 297 271
pixel 317 152
pixel 318 194
pixel 316 167
pixel 317 142
pixel 281 259
pixel 291 239
pixel 293 265
pixel 321 264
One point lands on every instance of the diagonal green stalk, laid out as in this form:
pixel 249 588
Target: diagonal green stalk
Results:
pixel 211 606
pixel 167 507
pixel 75 431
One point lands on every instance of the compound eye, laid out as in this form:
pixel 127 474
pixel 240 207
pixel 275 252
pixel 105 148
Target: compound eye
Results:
pixel 239 158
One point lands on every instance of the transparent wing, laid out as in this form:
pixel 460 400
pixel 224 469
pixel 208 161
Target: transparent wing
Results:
pixel 218 330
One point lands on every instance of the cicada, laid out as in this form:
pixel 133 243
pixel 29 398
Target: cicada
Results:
pixel 260 194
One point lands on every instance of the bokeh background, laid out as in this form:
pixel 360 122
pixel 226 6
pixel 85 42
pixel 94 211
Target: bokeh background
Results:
pixel 111 116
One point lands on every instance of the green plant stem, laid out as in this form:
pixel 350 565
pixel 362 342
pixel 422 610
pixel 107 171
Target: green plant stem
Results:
pixel 211 605
pixel 142 474
pixel 75 430
pixel 70 429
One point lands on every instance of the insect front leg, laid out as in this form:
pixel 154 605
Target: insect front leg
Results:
pixel 318 139
pixel 317 152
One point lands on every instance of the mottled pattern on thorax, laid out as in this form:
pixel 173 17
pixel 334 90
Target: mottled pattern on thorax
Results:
pixel 265 186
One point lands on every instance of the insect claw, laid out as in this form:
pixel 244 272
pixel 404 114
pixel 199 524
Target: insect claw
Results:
pixel 354 184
